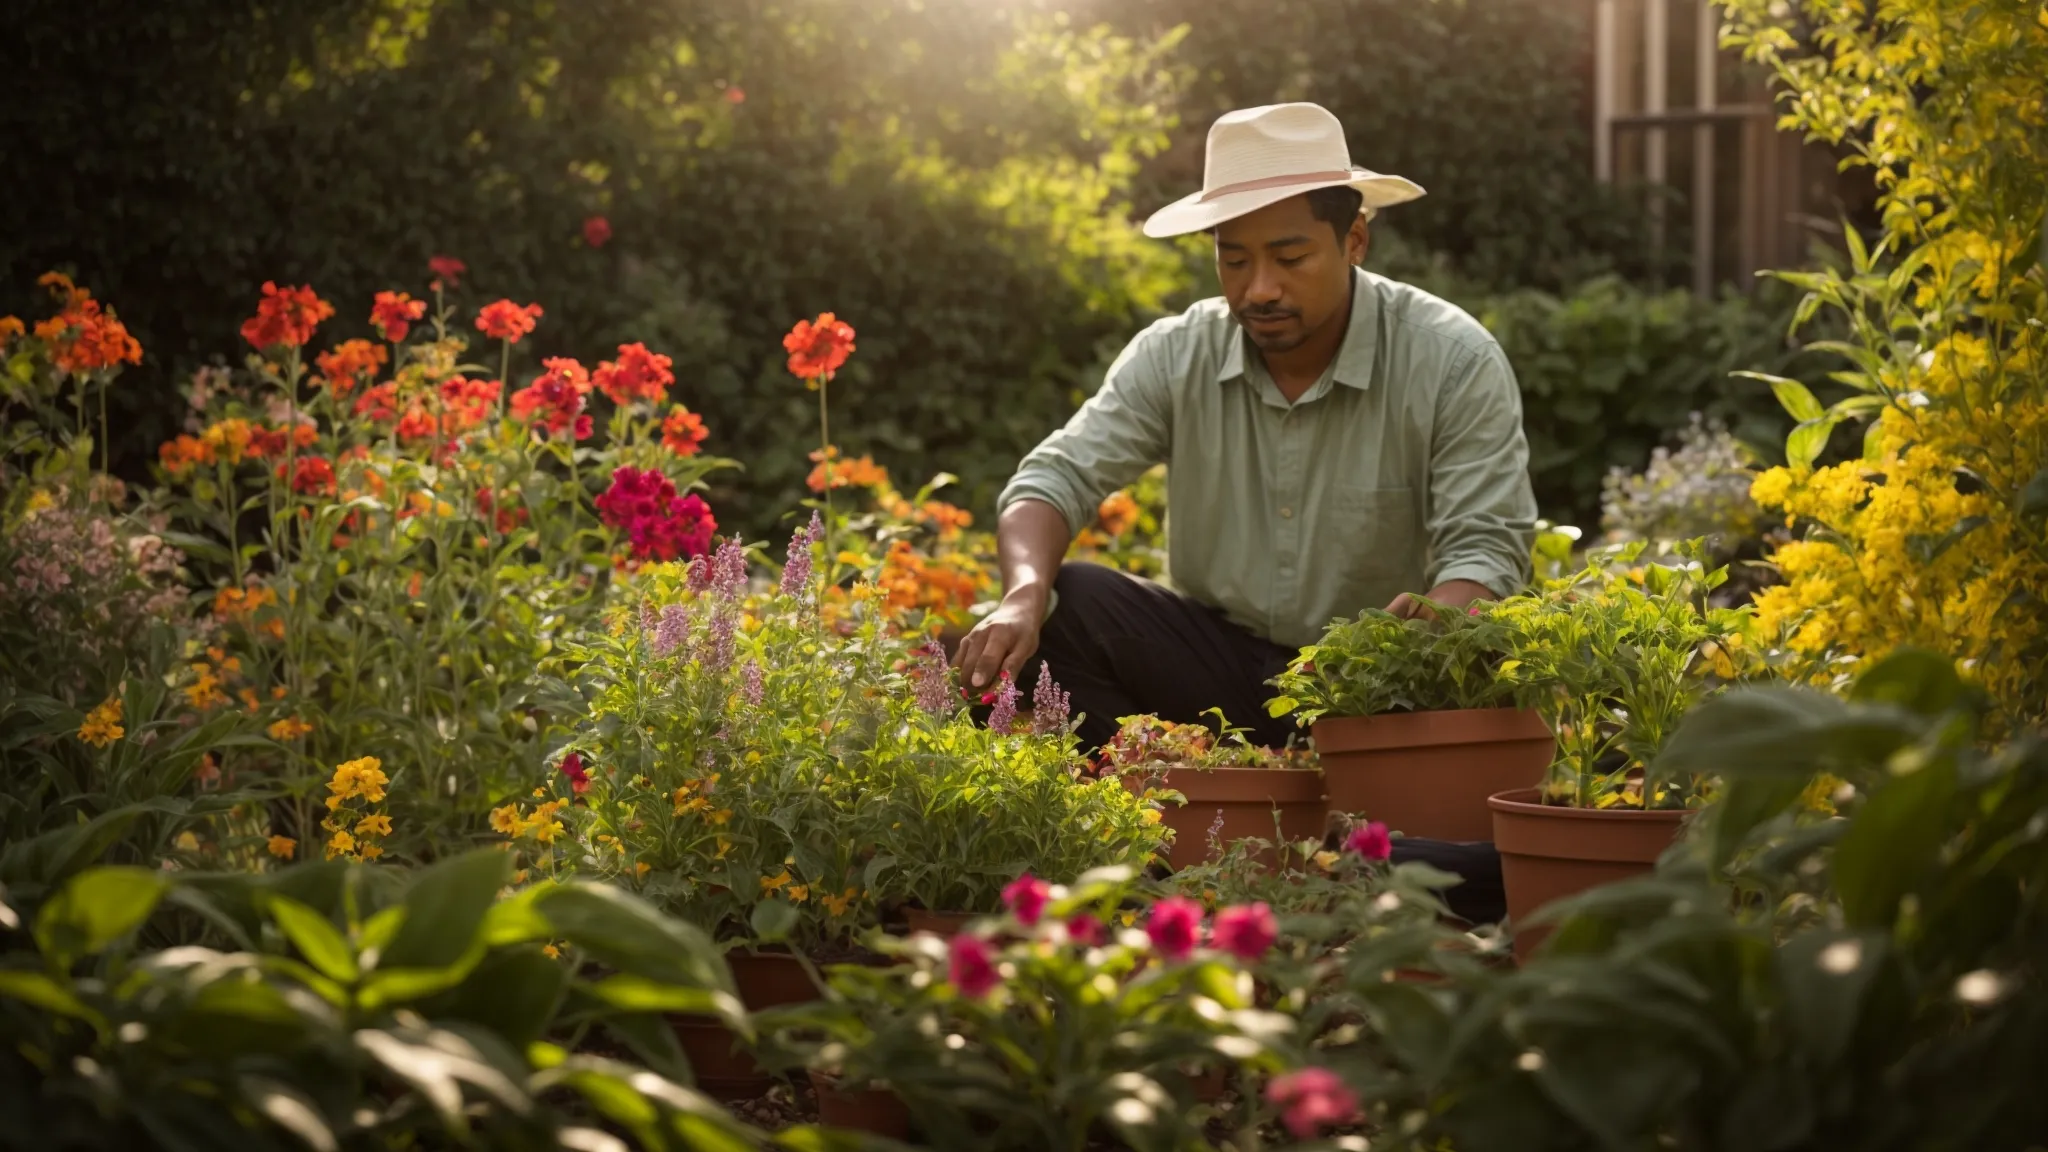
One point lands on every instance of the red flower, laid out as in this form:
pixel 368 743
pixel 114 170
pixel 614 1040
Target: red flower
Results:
pixel 683 431
pixel 555 399
pixel 658 524
pixel 1371 841
pixel 1310 1098
pixel 348 363
pixel 503 517
pixel 266 442
pixel 1086 931
pixel 393 313
pixel 285 316
pixel 84 336
pixel 735 95
pixel 579 779
pixel 467 402
pixel 638 375
pixel 818 349
pixel 416 424
pixel 504 320
pixel 447 271
pixel 1246 931
pixel 971 966
pixel 311 476
pixel 1175 926
pixel 596 231
pixel 379 404
pixel 1026 897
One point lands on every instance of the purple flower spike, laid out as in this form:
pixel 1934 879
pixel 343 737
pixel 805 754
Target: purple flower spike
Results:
pixel 718 649
pixel 796 573
pixel 1050 707
pixel 1003 716
pixel 729 570
pixel 671 630
pixel 750 684
pixel 934 680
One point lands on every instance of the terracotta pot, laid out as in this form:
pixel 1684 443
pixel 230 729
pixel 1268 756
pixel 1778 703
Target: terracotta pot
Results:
pixel 874 1110
pixel 1548 852
pixel 1245 796
pixel 1428 774
pixel 723 1067
pixel 944 925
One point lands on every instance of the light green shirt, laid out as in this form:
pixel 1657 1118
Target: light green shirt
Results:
pixel 1402 468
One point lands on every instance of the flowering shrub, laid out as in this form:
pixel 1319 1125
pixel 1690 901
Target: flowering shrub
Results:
pixel 1129 533
pixel 1699 489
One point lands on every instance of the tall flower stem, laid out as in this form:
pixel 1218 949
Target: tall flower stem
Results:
pixel 825 462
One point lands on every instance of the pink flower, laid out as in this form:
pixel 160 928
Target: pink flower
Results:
pixel 1175 927
pixel 1027 896
pixel 596 231
pixel 1246 931
pixel 1371 841
pixel 579 778
pixel 971 966
pixel 1086 931
pixel 1002 715
pixel 1310 1098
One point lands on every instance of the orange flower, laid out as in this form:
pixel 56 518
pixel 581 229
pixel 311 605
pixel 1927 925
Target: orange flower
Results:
pixel 311 476
pixel 348 363
pixel 229 439
pixel 683 431
pixel 267 442
pixel 282 847
pixel 10 327
pixel 179 456
pixel 638 375
pixel 240 603
pixel 1118 513
pixel 84 337
pixel 379 404
pixel 596 231
pixel 447 271
pixel 949 520
pixel 285 316
pixel 817 349
pixel 861 473
pixel 392 314
pixel 467 402
pixel 504 320
pixel 555 399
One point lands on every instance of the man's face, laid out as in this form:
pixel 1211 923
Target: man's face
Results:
pixel 1285 273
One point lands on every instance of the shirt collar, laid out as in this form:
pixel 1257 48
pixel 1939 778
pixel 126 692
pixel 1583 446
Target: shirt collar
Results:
pixel 1354 356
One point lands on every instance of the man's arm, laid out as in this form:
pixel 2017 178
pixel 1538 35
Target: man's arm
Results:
pixel 1121 431
pixel 1482 514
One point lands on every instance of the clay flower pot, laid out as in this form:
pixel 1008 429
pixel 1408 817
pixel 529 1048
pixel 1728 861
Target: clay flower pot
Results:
pixel 1246 798
pixel 873 1110
pixel 1548 851
pixel 1428 774
pixel 724 1070
pixel 944 925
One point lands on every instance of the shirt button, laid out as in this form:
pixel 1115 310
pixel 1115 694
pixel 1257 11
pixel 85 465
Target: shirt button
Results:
pixel 1287 513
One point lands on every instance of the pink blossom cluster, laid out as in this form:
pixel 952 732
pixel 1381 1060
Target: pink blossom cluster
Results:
pixel 934 679
pixel 796 571
pixel 78 574
pixel 659 524
pixel 1050 706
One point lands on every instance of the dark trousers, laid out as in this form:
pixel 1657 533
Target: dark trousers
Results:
pixel 1124 646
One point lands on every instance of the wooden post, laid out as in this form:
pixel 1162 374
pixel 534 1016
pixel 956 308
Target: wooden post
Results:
pixel 1708 58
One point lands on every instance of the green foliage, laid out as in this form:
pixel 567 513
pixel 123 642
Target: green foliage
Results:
pixel 1380 663
pixel 357 1010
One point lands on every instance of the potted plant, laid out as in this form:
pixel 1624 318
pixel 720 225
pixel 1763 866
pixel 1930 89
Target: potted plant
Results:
pixel 1411 723
pixel 1612 658
pixel 1227 788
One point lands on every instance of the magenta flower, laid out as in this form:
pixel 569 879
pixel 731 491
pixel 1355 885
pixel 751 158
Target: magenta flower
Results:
pixel 1246 931
pixel 1086 931
pixel 1371 841
pixel 1309 1099
pixel 1175 927
pixel 971 966
pixel 579 777
pixel 1026 896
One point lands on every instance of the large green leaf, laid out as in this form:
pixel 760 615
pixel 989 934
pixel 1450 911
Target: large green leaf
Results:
pixel 630 935
pixel 1825 975
pixel 444 909
pixel 513 992
pixel 43 991
pixel 317 940
pixel 95 909
pixel 1892 842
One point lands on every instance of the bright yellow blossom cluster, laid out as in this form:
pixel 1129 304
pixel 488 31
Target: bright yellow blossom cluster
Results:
pixel 540 825
pixel 103 724
pixel 356 832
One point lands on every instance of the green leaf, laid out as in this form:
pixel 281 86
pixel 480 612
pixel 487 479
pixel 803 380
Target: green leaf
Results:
pixel 2034 497
pixel 43 991
pixel 291 1110
pixel 318 941
pixel 1873 442
pixel 774 920
pixel 1892 842
pixel 1805 443
pixel 1746 802
pixel 515 993
pixel 1794 396
pixel 628 934
pixel 237 1017
pixel 95 909
pixel 445 908
pixel 638 994
pixel 1281 705
pixel 1915 679
pixel 1826 975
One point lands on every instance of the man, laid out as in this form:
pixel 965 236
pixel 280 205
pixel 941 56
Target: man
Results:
pixel 1334 440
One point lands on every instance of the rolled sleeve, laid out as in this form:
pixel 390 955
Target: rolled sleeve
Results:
pixel 1122 430
pixel 1482 516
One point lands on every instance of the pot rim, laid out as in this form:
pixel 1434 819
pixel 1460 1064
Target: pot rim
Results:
pixel 1528 802
pixel 1282 785
pixel 1336 735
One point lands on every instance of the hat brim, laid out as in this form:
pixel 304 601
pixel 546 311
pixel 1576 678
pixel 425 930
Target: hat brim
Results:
pixel 1194 214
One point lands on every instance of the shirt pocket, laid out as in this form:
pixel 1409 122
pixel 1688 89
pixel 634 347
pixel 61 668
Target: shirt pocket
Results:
pixel 1374 537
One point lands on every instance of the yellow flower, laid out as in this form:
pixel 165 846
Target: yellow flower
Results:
pixel 363 777
pixel 505 821
pixel 374 825
pixel 39 500
pixel 187 842
pixel 642 868
pixel 289 728
pixel 778 882
pixel 724 846
pixel 721 817
pixel 1151 816
pixel 103 724
pixel 371 852
pixel 551 952
pixel 799 892
pixel 342 844
pixel 837 905
pixel 282 847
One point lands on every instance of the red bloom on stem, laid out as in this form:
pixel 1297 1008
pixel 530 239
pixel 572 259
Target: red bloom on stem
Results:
pixel 637 375
pixel 504 517
pixel 467 402
pixel 504 320
pixel 1175 927
pixel 447 271
pixel 596 231
pixel 285 316
pixel 266 442
pixel 348 363
pixel 734 94
pixel 1309 1099
pixel 84 336
pixel 1026 897
pixel 1086 931
pixel 554 400
pixel 658 524
pixel 311 476
pixel 579 777
pixel 817 349
pixel 683 431
pixel 393 313
pixel 1371 841
pixel 1246 931
pixel 971 966
pixel 379 404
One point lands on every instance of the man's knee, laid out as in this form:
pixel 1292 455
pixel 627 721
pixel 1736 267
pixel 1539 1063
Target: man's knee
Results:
pixel 1080 583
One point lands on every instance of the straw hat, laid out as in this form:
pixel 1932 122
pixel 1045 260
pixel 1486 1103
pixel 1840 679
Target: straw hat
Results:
pixel 1261 156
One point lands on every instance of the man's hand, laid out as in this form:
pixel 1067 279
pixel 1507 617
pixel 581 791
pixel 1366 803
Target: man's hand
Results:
pixel 1450 594
pixel 1003 640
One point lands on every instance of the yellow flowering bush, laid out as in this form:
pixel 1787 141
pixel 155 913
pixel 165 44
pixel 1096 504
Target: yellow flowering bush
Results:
pixel 1934 537
pixel 357 829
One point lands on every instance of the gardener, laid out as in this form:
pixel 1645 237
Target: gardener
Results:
pixel 1334 440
